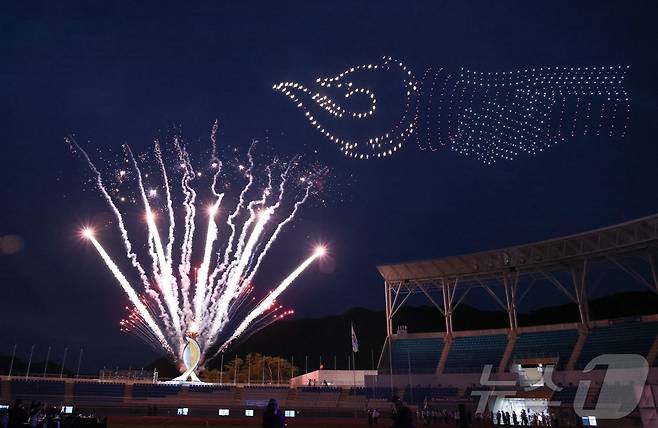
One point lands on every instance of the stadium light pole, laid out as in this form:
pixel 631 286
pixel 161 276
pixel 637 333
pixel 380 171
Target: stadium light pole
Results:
pixel 29 363
pixel 77 373
pixel 61 369
pixel 45 366
pixel 11 365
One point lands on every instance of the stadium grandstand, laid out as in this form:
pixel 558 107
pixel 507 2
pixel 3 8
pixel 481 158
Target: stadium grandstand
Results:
pixel 540 367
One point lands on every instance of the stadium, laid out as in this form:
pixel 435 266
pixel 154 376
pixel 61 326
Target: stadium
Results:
pixel 326 214
pixel 566 374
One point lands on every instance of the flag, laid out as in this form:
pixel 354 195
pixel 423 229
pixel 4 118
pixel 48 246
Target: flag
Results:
pixel 355 342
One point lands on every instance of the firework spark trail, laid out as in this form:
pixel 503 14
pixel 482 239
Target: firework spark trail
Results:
pixel 202 273
pixel 273 208
pixel 221 266
pixel 117 214
pixel 238 209
pixel 233 276
pixel 170 207
pixel 216 163
pixel 236 291
pixel 278 229
pixel 166 278
pixel 269 300
pixel 253 215
pixel 132 295
pixel 215 288
pixel 233 281
pixel 190 213
pixel 220 298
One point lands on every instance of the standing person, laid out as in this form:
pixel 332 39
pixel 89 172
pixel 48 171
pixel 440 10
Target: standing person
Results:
pixel 375 416
pixel 402 415
pixel 273 417
pixel 17 415
pixel 370 418
pixel 498 417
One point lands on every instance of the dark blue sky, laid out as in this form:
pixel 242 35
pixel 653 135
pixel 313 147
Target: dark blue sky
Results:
pixel 118 72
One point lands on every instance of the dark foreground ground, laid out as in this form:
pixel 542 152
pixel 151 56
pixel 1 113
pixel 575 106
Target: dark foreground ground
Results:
pixel 184 422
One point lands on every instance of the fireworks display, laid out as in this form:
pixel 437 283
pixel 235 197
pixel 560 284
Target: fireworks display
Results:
pixel 204 240
pixel 487 115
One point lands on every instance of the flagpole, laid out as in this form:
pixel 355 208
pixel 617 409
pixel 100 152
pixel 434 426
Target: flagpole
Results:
pixel 235 370
pixel 355 348
pixel 221 370
pixel 353 368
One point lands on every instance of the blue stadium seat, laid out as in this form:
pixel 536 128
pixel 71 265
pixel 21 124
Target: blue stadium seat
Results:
pixel 21 388
pixel 417 355
pixel 622 337
pixel 554 344
pixel 379 392
pixel 418 394
pixel 98 389
pixel 320 389
pixel 566 395
pixel 209 388
pixel 149 390
pixel 470 353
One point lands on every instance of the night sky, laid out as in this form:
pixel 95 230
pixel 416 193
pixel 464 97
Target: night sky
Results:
pixel 126 72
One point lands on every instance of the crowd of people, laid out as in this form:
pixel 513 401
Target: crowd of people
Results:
pixel 41 415
pixel 373 416
pixel 435 416
pixel 524 418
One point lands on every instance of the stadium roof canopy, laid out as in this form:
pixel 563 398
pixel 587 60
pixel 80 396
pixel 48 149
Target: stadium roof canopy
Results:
pixel 508 274
pixel 554 254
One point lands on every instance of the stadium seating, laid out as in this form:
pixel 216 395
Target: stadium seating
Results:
pixel 209 388
pixel 262 393
pixel 421 355
pixel 418 394
pixel 372 393
pixel 621 337
pixel 554 344
pixel 149 390
pixel 471 353
pixel 105 391
pixel 316 397
pixel 566 395
pixel 27 389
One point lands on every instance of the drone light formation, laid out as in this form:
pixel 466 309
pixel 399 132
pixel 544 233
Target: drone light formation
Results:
pixel 200 291
pixel 491 116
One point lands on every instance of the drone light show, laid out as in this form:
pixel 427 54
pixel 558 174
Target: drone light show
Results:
pixel 490 116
